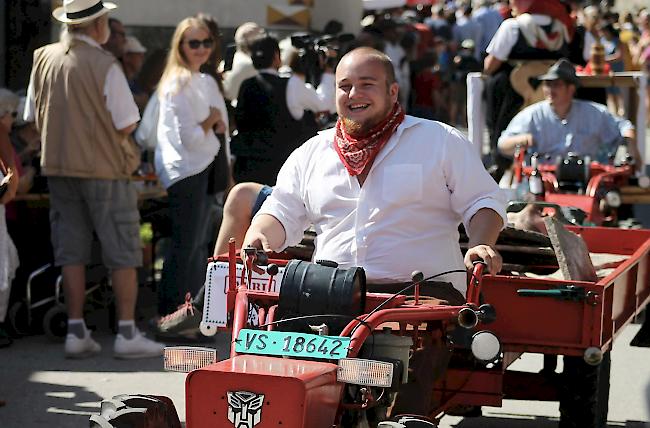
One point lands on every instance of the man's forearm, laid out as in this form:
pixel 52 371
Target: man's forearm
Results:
pixel 265 232
pixel 491 64
pixel 484 227
pixel 508 145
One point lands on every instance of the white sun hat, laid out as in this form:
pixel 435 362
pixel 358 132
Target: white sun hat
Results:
pixel 79 11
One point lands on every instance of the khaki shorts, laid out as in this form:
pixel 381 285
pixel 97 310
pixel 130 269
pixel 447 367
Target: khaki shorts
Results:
pixel 79 206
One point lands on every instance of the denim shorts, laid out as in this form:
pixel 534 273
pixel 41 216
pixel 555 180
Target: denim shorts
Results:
pixel 261 197
pixel 81 206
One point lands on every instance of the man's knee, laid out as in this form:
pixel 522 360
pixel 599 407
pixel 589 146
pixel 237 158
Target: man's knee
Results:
pixel 241 199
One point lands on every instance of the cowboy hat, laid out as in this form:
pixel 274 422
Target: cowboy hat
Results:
pixel 561 70
pixel 79 11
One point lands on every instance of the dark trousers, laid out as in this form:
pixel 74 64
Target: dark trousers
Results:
pixel 502 104
pixel 430 360
pixel 185 261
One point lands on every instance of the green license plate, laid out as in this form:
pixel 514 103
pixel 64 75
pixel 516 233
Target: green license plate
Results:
pixel 291 344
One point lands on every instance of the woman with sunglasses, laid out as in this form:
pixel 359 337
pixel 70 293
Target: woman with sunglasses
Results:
pixel 192 112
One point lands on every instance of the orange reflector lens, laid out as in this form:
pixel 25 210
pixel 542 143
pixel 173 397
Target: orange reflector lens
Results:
pixel 187 358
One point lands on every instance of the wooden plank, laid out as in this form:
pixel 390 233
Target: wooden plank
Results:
pixel 623 80
pixel 571 252
pixel 635 199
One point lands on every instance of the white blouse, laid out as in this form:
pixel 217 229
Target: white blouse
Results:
pixel 184 148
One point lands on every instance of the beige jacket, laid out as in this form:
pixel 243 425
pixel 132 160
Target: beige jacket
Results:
pixel 77 131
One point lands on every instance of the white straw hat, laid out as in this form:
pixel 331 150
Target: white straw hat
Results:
pixel 79 11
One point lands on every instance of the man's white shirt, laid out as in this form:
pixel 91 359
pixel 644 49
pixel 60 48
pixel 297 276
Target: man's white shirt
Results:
pixel 301 96
pixel 424 182
pixel 506 36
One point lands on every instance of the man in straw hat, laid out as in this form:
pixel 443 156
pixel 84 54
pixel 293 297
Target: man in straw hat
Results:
pixel 561 124
pixel 81 103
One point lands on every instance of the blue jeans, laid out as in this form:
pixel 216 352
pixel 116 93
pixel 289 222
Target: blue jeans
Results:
pixel 185 261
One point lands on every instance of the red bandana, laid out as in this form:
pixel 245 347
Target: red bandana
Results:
pixel 357 154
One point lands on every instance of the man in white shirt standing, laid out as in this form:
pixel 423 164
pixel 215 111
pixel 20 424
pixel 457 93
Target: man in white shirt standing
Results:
pixel 386 192
pixel 269 114
pixel 81 103
pixel 540 30
pixel 242 64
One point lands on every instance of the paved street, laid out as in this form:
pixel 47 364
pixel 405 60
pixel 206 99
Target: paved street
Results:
pixel 42 389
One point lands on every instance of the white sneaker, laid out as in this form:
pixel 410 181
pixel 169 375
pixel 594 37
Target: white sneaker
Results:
pixel 81 348
pixel 137 347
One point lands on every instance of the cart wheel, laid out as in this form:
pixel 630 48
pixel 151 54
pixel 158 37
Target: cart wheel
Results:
pixel 17 319
pixel 55 323
pixel 136 411
pixel 585 393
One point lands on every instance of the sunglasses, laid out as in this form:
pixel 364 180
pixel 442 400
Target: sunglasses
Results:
pixel 195 44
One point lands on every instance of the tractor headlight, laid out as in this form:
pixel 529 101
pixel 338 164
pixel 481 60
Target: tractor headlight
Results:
pixel 187 358
pixel 613 198
pixel 486 346
pixel 359 371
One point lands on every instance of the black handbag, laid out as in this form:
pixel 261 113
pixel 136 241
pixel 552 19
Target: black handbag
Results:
pixel 219 173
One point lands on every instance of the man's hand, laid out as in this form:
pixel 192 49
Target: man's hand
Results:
pixel 265 233
pixel 258 241
pixel 485 253
pixel 508 145
pixel 633 151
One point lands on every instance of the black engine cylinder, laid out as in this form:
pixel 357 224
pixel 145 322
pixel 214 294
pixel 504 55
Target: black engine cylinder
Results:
pixel 320 288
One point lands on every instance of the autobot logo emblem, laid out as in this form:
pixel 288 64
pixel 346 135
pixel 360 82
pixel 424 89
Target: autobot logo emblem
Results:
pixel 245 408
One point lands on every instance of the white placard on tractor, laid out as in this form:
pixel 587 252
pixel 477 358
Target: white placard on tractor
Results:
pixel 215 310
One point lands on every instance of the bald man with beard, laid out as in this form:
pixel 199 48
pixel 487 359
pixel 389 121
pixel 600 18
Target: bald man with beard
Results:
pixel 386 192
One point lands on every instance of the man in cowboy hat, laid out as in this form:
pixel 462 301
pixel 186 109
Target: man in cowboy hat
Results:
pixel 540 31
pixel 561 124
pixel 81 103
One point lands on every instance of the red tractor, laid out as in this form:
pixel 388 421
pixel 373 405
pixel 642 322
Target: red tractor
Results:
pixel 322 352
pixel 575 182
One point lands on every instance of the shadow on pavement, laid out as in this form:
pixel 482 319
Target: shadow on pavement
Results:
pixel 516 421
pixel 58 406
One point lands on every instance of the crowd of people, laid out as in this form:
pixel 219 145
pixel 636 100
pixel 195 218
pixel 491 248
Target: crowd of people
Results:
pixel 212 126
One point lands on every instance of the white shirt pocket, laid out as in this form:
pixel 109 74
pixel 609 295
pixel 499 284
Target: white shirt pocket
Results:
pixel 402 183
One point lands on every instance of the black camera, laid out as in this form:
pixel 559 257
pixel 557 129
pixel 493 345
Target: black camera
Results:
pixel 315 53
